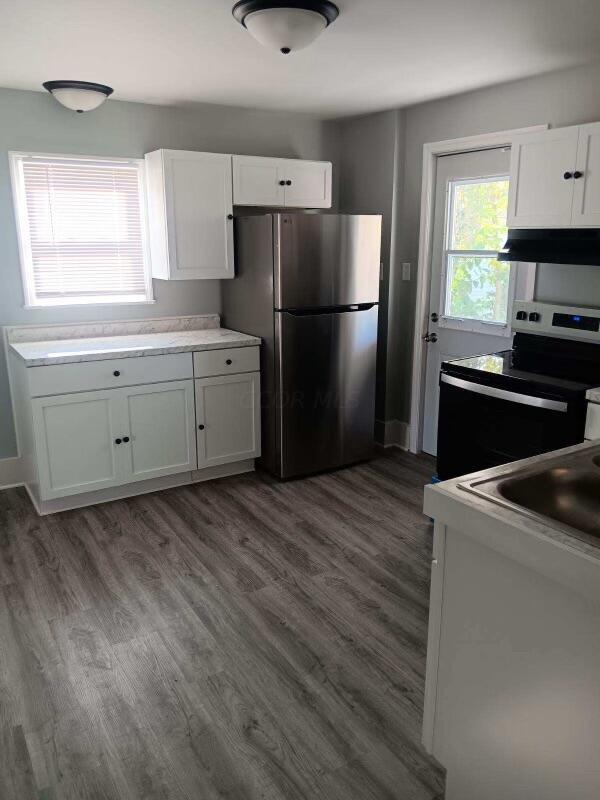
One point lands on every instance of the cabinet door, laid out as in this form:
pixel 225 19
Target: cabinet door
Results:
pixel 586 190
pixel 540 195
pixel 257 181
pixel 228 417
pixel 75 442
pixel 159 421
pixel 308 184
pixel 198 202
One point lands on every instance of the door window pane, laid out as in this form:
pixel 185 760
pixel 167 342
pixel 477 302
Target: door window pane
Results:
pixel 477 288
pixel 477 284
pixel 479 215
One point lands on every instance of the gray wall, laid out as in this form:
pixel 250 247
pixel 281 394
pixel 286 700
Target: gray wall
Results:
pixel 34 121
pixel 368 157
pixel 563 98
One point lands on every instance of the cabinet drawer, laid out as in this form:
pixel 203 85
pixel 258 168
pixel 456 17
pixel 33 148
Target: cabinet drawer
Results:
pixel 114 372
pixel 226 362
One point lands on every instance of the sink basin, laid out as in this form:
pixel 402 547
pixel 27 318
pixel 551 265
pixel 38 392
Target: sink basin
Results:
pixel 568 494
pixel 564 487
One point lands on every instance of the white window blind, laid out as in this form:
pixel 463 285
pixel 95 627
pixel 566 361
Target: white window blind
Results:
pixel 81 225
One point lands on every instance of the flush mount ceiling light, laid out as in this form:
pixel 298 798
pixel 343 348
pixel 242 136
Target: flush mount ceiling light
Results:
pixel 286 25
pixel 78 96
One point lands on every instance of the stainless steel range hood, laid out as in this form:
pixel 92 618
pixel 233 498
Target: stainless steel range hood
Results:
pixel 553 245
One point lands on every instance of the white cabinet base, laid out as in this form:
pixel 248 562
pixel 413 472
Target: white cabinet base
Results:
pixel 44 507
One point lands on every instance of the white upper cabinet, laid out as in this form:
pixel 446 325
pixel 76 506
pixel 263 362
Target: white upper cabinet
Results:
pixel 586 191
pixel 555 178
pixel 258 181
pixel 540 196
pixel 281 182
pixel 190 210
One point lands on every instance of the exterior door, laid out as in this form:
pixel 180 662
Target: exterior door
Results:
pixel 199 200
pixel 542 183
pixel 307 184
pixel 228 418
pixel 471 292
pixel 76 439
pixel 586 182
pixel 158 429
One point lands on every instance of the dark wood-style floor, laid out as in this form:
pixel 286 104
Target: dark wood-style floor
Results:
pixel 239 639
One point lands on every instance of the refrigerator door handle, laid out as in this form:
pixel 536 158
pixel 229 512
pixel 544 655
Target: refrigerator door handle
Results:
pixel 307 312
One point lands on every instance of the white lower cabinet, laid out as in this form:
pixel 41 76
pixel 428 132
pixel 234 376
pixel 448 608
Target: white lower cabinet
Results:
pixel 160 423
pixel 75 440
pixel 228 418
pixel 193 416
pixel 94 440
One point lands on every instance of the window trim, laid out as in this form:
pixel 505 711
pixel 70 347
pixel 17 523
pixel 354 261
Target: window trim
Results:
pixel 472 325
pixel 15 158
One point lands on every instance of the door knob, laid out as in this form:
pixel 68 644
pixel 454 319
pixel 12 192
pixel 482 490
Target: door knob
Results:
pixel 430 338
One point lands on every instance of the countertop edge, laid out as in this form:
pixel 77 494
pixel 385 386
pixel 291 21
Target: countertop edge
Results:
pixel 244 340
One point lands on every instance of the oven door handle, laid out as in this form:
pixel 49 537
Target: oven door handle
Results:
pixel 504 394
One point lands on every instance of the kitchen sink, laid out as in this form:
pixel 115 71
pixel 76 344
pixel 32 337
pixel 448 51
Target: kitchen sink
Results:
pixel 565 489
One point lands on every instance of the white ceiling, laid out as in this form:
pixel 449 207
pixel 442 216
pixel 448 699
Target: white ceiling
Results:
pixel 378 54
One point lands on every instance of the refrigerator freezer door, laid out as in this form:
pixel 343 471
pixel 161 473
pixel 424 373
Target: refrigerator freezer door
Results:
pixel 326 389
pixel 326 259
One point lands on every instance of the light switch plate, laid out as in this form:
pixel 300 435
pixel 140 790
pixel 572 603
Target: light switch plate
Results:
pixel 405 270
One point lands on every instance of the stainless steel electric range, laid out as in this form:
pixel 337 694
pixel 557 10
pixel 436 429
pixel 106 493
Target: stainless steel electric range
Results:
pixel 501 407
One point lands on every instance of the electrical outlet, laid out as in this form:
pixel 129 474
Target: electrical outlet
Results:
pixel 405 271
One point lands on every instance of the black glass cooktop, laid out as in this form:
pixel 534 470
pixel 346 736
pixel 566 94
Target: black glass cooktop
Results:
pixel 539 362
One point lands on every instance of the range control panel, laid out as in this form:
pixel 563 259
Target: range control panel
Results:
pixel 565 322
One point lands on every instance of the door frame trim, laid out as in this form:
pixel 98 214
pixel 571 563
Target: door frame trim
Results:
pixel 431 152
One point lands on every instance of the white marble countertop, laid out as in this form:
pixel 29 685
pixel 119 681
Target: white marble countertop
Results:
pixel 593 395
pixel 65 351
pixel 449 497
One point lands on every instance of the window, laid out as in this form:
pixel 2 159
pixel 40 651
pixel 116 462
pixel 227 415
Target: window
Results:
pixel 81 226
pixel 477 286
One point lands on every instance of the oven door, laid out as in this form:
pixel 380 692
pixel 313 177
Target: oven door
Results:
pixel 484 426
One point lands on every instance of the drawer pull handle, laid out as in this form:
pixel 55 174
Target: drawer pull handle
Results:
pixel 117 441
pixel 116 373
pixel 200 427
pixel 229 362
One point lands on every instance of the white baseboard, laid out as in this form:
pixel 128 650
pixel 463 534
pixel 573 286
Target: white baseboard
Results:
pixel 11 472
pixel 392 433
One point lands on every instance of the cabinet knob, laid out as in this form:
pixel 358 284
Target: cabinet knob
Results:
pixel 126 439
pixel 116 373
pixel 288 183
pixel 229 216
pixel 229 362
pixel 117 441
pixel 568 175
pixel 577 174
pixel 200 427
pixel 282 183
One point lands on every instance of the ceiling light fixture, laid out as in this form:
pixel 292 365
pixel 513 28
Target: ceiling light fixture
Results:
pixel 286 25
pixel 78 96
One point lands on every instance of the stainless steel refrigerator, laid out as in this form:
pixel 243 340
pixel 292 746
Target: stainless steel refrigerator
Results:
pixel 308 285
